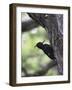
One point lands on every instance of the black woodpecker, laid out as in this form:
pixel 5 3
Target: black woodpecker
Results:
pixel 47 49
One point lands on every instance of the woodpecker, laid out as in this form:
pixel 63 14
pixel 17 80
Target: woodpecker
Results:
pixel 47 49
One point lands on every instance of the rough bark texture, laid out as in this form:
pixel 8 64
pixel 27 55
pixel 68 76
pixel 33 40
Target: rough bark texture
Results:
pixel 53 24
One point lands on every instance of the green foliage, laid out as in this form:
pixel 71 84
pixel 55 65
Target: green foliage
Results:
pixel 52 71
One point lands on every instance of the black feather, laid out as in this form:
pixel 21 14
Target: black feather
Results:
pixel 47 49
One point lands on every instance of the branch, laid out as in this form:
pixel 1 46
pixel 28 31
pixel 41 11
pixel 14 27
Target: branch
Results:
pixel 29 25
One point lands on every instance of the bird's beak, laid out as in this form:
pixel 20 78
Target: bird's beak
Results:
pixel 43 41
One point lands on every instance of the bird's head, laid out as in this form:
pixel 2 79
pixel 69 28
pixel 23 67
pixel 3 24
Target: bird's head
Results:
pixel 40 44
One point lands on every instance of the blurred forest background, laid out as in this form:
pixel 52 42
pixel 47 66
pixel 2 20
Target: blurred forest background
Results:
pixel 32 58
